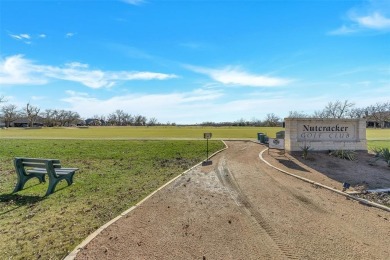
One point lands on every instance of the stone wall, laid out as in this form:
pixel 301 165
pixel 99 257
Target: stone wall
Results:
pixel 325 134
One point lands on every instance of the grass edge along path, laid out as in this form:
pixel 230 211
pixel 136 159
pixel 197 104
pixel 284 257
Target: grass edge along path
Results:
pixel 72 255
pixel 114 175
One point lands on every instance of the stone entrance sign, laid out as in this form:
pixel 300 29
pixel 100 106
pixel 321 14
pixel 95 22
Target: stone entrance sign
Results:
pixel 325 134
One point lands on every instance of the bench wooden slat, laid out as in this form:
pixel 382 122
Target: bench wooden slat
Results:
pixel 43 170
pixel 30 164
pixel 38 160
pixel 39 165
pixel 57 171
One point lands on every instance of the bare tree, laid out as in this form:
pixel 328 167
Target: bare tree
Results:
pixel 297 114
pixel 70 118
pixel 111 119
pixel 102 119
pixel 379 113
pixel 272 120
pixel 32 113
pixel 120 116
pixel 139 120
pixel 48 117
pixel 152 121
pixel 128 119
pixel 255 122
pixel 337 109
pixel 240 122
pixel 10 114
pixel 2 99
pixel 357 113
pixel 319 114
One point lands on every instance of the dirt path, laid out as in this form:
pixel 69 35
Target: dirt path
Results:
pixel 240 208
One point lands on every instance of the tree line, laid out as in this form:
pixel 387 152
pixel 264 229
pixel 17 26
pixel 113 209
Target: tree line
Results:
pixel 377 115
pixel 58 117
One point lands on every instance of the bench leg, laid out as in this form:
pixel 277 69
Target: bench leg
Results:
pixel 19 185
pixel 54 181
pixel 22 179
pixel 52 186
pixel 69 178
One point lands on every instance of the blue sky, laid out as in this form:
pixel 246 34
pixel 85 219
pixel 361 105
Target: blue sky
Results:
pixel 194 61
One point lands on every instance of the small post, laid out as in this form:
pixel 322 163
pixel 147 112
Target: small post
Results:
pixel 207 136
pixel 207 141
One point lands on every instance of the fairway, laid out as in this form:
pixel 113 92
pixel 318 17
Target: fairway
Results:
pixel 132 132
pixel 375 137
pixel 157 132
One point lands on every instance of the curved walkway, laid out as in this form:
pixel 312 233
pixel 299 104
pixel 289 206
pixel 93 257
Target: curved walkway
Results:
pixel 240 208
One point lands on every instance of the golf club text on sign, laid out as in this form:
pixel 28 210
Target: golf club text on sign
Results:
pixel 324 131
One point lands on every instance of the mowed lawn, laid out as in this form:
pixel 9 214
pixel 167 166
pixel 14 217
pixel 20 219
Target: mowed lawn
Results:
pixel 114 175
pixel 116 172
pixel 135 132
pixel 157 132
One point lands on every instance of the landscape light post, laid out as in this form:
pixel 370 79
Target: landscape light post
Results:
pixel 207 136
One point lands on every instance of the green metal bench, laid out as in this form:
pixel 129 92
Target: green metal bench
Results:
pixel 27 168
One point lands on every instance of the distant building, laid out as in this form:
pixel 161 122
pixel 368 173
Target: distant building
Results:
pixel 378 120
pixel 94 122
pixel 24 122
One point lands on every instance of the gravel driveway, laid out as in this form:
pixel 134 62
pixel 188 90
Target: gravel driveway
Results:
pixel 240 208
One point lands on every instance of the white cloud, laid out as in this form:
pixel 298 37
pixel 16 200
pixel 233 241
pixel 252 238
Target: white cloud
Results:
pixel 36 98
pixel 69 35
pixel 344 30
pixel 373 16
pixel 21 37
pixel 16 70
pixel 25 36
pixel 236 76
pixel 134 2
pixel 17 37
pixel 196 106
pixel 172 107
pixel 74 93
pixel 374 21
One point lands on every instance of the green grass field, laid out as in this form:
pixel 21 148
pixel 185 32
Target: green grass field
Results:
pixel 116 172
pixel 157 132
pixel 138 132
pixel 114 175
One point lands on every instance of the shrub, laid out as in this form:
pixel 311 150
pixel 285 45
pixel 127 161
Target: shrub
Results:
pixel 384 154
pixel 305 151
pixel 376 151
pixel 344 154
